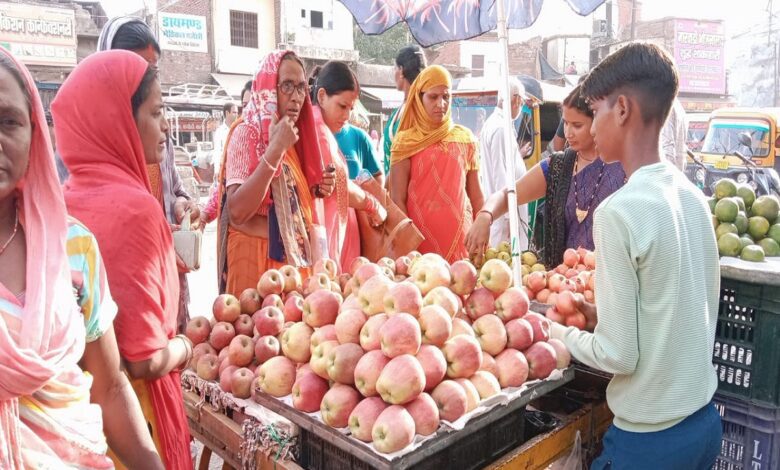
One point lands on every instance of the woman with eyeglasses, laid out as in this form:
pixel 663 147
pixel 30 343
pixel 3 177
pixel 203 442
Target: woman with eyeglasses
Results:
pixel 273 173
pixel 434 173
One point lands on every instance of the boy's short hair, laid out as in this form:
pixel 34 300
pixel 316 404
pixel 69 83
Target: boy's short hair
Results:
pixel 638 67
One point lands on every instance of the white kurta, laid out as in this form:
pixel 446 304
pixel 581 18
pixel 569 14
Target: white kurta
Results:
pixel 494 175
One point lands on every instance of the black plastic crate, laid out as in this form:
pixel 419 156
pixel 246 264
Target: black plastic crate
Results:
pixel 751 436
pixel 746 354
pixel 481 442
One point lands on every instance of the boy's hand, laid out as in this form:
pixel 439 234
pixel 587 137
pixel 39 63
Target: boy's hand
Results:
pixel 589 310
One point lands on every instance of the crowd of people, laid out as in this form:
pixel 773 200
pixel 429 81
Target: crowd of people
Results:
pixel 93 295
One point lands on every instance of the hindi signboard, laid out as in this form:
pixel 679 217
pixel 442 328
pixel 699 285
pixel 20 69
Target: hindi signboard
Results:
pixel 186 33
pixel 39 35
pixel 699 54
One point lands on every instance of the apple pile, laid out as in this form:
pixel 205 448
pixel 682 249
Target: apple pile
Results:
pixel 563 286
pixel 387 350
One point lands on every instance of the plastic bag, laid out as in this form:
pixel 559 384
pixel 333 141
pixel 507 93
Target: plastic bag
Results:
pixel 573 461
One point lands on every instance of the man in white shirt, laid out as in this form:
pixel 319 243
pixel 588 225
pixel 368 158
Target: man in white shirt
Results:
pixel 494 173
pixel 229 114
pixel 673 136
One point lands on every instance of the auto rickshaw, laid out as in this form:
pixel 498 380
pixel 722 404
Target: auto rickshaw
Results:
pixel 740 144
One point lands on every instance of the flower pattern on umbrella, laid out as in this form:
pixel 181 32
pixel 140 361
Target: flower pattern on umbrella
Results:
pixel 436 21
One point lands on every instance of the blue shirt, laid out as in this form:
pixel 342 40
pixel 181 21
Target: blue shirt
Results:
pixel 359 151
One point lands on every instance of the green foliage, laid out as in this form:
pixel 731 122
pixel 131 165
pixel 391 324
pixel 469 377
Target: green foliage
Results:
pixel 382 48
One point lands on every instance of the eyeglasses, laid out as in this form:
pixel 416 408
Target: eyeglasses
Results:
pixel 287 87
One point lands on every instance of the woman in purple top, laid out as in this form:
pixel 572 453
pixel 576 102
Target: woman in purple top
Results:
pixel 573 183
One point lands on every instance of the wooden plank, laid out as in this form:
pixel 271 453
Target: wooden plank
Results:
pixel 538 453
pixel 367 455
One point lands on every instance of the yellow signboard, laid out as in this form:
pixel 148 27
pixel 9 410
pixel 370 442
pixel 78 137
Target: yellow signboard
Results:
pixel 39 35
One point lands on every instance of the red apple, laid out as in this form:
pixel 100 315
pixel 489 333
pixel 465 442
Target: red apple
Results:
pixel 450 398
pixel 223 353
pixel 293 308
pixel 388 263
pixel 241 351
pixel 393 430
pixel 308 392
pixel 244 325
pixel 461 327
pixel 241 381
pixel 367 372
pixel 540 325
pixel 198 330
pixel 571 258
pixel 372 294
pixel 337 404
pixel 296 342
pixel 486 384
pixel 319 358
pixel 273 300
pixel 434 365
pixel 226 378
pixel 541 360
pixel 577 320
pixel 472 395
pixel 562 353
pixel 320 308
pixel 348 325
pixel 250 301
pixel 491 333
pixel 512 368
pixel 322 334
pixel 399 335
pixel 226 308
pixel 314 283
pixel 328 267
pixel 552 314
pixel 357 263
pixel 271 282
pixel 464 277
pixel 513 303
pixel 463 355
pixel 489 363
pixel 201 350
pixel 369 334
pixel 221 335
pixel 542 296
pixel 402 265
pixel 269 321
pixel 208 367
pixel 480 302
pixel 435 325
pixel 342 361
pixel 276 376
pixel 425 414
pixel 537 281
pixel 519 334
pixel 363 417
pixel 403 297
pixel 292 278
pixel 431 272
pixel 364 273
pixel 266 347
pixel 401 381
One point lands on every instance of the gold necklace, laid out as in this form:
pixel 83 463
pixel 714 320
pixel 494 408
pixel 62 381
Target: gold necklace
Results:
pixel 13 234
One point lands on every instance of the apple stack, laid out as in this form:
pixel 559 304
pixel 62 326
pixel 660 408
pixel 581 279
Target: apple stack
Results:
pixel 415 341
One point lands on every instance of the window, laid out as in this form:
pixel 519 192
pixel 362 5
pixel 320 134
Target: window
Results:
pixel 316 19
pixel 243 29
pixel 477 66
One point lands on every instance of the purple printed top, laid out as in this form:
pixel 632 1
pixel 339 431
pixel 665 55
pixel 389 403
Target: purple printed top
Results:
pixel 581 234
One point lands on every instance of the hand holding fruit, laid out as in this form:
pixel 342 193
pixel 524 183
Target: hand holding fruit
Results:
pixel 478 237
pixel 589 310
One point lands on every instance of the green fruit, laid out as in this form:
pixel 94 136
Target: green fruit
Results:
pixel 711 202
pixel 504 256
pixel 740 203
pixel 766 207
pixel 729 245
pixel 491 253
pixel 771 247
pixel 774 232
pixel 505 247
pixel 725 188
pixel 741 223
pixel 745 240
pixel 529 258
pixel 724 228
pixel 752 253
pixel 747 194
pixel 757 227
pixel 726 210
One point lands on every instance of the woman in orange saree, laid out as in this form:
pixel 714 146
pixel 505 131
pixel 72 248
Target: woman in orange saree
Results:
pixel 272 174
pixel 434 172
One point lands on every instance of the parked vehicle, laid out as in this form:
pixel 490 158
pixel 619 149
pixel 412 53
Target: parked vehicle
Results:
pixel 697 129
pixel 741 144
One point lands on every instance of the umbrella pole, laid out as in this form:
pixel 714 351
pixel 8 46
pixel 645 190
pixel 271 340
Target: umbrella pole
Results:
pixel 504 91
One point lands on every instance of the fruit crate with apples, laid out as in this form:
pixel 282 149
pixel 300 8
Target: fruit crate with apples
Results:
pixel 745 354
pixel 484 438
pixel 751 435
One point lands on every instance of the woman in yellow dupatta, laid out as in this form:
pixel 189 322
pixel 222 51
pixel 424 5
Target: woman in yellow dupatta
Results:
pixel 434 167
pixel 272 174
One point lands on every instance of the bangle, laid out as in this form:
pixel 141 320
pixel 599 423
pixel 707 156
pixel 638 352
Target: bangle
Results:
pixel 187 347
pixel 488 213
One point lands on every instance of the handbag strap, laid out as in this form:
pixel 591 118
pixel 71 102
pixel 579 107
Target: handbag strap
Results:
pixel 391 236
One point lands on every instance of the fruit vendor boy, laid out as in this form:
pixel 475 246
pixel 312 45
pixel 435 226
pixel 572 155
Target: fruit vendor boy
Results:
pixel 657 279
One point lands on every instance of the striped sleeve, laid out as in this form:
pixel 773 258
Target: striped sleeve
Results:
pixel 242 156
pixel 89 281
